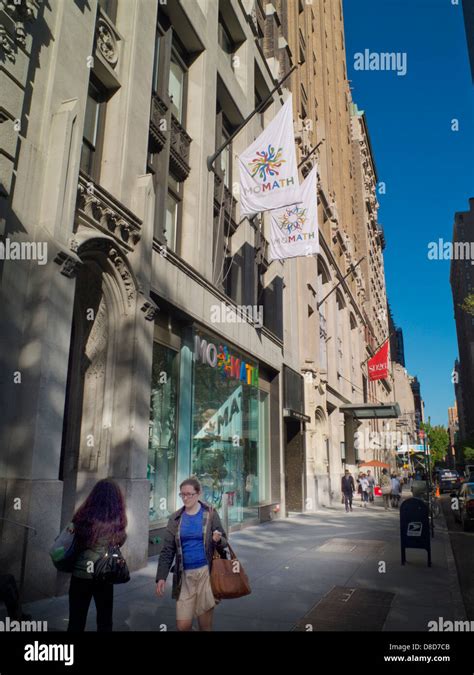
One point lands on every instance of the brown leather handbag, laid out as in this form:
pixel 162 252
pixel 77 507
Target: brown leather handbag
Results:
pixel 228 578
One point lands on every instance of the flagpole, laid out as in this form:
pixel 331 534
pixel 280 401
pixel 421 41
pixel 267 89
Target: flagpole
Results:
pixel 212 158
pixel 378 347
pixel 351 270
pixel 305 159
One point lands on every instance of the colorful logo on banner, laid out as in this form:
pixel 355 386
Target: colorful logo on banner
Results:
pixel 268 168
pixel 292 219
pixel 378 364
pixel 294 228
pixel 266 163
pixel 229 365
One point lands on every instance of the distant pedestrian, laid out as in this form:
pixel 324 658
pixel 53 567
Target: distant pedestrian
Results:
pixel 192 535
pixel 386 487
pixel 396 490
pixel 371 481
pixel 364 484
pixel 99 522
pixel 347 489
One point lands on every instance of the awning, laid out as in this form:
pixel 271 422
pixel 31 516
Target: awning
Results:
pixel 295 415
pixel 375 463
pixel 368 411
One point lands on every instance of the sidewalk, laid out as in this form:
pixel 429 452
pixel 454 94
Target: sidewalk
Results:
pixel 292 565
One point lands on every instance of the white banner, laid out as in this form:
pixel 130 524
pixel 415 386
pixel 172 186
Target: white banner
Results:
pixel 294 229
pixel 268 169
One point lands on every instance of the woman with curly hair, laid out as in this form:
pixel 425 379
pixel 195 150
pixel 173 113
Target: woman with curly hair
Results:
pixel 98 523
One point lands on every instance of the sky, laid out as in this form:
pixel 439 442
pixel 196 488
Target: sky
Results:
pixel 426 165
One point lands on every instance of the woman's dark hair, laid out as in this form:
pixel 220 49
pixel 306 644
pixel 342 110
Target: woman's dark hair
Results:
pixel 101 516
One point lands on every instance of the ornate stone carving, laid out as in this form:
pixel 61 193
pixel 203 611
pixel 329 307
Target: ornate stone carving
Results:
pixel 150 310
pixel 158 112
pixel 179 150
pixel 106 214
pixel 121 267
pixel 69 265
pixel 106 42
pixel 21 12
pixel 6 46
pixel 96 347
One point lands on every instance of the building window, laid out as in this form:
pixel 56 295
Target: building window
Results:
pixel 156 64
pixel 93 130
pixel 343 451
pixel 226 155
pixel 225 41
pixel 173 212
pixel 226 430
pixel 176 86
pixel 263 446
pixel 161 469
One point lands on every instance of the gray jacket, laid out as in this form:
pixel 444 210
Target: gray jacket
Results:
pixel 172 545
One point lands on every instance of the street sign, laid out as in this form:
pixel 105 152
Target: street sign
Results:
pixel 421 434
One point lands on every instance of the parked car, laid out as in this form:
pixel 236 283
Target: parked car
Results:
pixel 449 479
pixel 465 513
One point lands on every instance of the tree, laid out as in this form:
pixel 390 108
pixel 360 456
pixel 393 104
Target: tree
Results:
pixel 438 440
pixel 468 304
pixel 468 453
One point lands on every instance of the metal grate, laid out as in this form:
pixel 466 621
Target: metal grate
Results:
pixel 351 609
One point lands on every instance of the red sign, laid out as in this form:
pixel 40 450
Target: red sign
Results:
pixel 421 434
pixel 378 364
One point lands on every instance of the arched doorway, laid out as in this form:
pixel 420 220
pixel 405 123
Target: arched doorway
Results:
pixel 100 416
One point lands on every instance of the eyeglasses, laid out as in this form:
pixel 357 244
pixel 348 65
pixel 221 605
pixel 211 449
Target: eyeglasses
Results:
pixel 183 495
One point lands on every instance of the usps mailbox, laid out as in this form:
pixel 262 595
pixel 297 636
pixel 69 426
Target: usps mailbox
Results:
pixel 415 527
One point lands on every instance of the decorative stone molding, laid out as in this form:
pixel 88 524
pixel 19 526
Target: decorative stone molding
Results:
pixel 105 213
pixel 69 265
pixel 6 46
pixel 119 264
pixel 179 150
pixel 106 41
pixel 150 310
pixel 20 12
pixel 158 113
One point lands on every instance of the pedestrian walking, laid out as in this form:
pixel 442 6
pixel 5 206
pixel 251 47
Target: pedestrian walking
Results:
pixel 193 533
pixel 100 522
pixel 371 481
pixel 396 490
pixel 347 489
pixel 364 484
pixel 386 487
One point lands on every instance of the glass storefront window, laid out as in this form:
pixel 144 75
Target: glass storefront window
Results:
pixel 227 453
pixel 263 446
pixel 161 469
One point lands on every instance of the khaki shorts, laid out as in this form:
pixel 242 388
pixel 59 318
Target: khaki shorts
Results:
pixel 196 595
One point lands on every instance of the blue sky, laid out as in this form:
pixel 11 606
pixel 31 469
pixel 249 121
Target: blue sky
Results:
pixel 428 168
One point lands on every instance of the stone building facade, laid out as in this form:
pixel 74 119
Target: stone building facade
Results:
pixel 128 354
